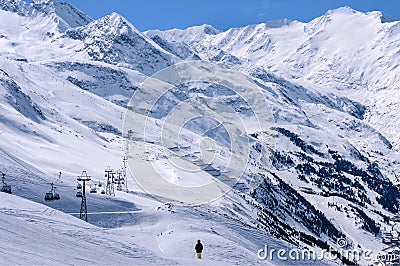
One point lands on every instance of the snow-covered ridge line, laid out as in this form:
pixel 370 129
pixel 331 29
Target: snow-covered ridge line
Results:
pixel 64 14
pixel 344 49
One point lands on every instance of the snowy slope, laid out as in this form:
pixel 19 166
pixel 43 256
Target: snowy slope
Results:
pixel 41 235
pixel 70 128
pixel 65 82
pixel 30 178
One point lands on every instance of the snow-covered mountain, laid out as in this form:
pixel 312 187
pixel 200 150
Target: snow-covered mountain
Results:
pixel 112 39
pixel 66 81
pixel 354 52
pixel 64 15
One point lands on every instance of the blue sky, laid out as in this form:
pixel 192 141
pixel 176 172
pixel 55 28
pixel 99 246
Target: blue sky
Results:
pixel 222 14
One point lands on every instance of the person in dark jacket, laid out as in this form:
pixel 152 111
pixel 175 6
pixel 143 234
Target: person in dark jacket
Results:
pixel 199 249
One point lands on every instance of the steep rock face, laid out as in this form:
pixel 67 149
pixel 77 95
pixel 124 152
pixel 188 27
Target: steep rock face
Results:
pixel 17 99
pixel 179 49
pixel 112 39
pixel 108 82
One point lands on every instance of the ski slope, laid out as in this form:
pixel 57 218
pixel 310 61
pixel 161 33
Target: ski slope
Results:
pixel 156 234
pixel 66 81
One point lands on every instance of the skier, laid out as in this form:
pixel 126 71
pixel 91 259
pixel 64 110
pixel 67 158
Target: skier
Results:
pixel 199 249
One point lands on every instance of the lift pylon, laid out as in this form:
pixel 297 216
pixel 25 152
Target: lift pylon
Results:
pixel 83 212
pixel 125 160
pixel 110 174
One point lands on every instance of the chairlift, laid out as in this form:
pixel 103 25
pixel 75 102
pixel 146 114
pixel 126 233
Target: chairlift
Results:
pixel 56 196
pixel 93 190
pixel 49 196
pixel 5 188
pixel 52 195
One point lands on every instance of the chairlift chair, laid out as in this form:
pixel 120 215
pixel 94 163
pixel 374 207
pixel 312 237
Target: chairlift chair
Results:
pixel 49 196
pixel 79 194
pixel 52 194
pixel 6 189
pixel 56 196
pixel 79 186
pixel 93 190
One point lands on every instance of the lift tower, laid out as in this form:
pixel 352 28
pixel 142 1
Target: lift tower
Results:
pixel 119 180
pixel 109 173
pixel 125 160
pixel 83 213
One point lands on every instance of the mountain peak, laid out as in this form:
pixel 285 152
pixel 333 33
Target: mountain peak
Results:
pixel 205 28
pixel 114 40
pixel 208 29
pixel 65 15
pixel 116 17
pixel 114 25
pixel 345 10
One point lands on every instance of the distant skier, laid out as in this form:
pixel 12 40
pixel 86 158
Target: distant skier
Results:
pixel 199 249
